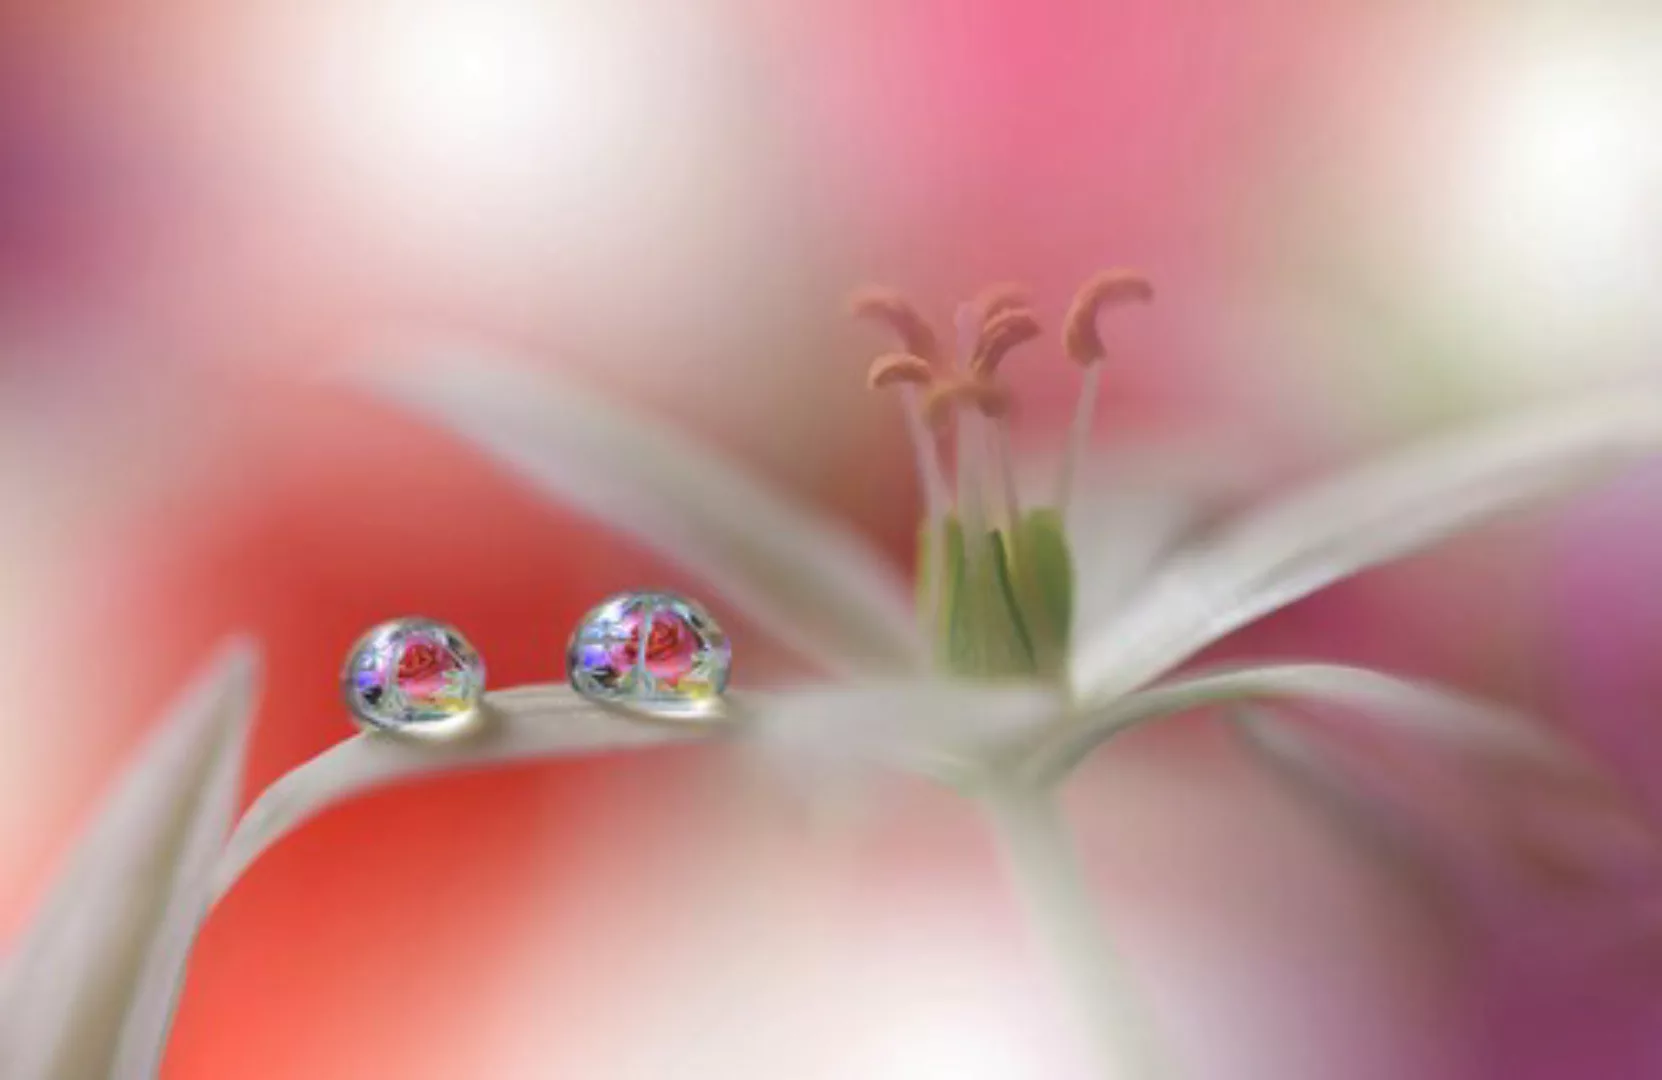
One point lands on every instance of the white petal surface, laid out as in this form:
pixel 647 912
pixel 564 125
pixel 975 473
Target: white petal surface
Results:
pixel 946 729
pixel 1409 705
pixel 523 724
pixel 1379 512
pixel 134 892
pixel 804 578
pixel 1132 506
pixel 923 724
pixel 926 725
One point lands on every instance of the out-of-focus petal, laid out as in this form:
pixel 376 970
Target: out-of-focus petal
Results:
pixel 1402 703
pixel 1605 633
pixel 807 580
pixel 89 990
pixel 1552 874
pixel 1557 817
pixel 1379 512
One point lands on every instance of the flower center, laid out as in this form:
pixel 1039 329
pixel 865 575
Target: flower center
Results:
pixel 995 582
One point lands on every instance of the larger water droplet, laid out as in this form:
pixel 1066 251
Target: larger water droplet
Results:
pixel 413 675
pixel 651 650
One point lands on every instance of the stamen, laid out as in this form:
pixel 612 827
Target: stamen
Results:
pixel 967 322
pixel 1029 596
pixel 945 397
pixel 936 498
pixel 937 501
pixel 893 369
pixel 1081 336
pixel 1005 475
pixel 897 313
pixel 971 450
pixel 1000 334
pixel 1079 434
pixel 977 545
pixel 971 447
pixel 909 374
pixel 977 435
pixel 995 300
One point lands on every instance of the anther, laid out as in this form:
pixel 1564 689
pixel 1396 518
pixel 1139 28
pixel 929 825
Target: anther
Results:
pixel 899 369
pixel 1014 326
pixel 1114 288
pixel 995 300
pixel 988 398
pixel 896 312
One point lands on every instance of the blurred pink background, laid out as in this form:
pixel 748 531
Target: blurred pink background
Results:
pixel 1361 219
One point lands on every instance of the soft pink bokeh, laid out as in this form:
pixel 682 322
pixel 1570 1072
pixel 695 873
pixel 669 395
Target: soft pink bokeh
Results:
pixel 193 234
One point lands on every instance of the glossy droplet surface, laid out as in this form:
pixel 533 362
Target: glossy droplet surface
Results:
pixel 413 675
pixel 650 650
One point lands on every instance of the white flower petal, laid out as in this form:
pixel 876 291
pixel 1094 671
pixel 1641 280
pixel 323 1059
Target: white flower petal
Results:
pixel 523 724
pixel 1407 704
pixel 520 724
pixel 1132 506
pixel 920 723
pixel 947 729
pixel 806 579
pixel 84 979
pixel 1377 513
pixel 926 724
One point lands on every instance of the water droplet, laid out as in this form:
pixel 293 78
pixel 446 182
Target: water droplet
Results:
pixel 681 670
pixel 413 675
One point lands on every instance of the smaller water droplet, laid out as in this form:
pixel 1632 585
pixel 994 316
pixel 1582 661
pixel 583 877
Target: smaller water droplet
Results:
pixel 413 675
pixel 650 650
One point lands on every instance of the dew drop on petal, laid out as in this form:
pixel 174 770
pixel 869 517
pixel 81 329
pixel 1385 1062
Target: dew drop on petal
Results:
pixel 650 650
pixel 412 675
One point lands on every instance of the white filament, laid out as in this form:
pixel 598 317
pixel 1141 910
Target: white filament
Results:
pixel 1079 435
pixel 1004 475
pixel 937 500
pixel 972 445
pixel 931 478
